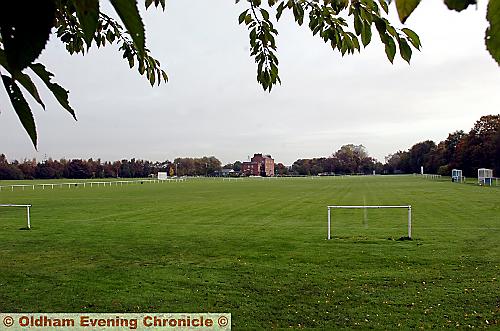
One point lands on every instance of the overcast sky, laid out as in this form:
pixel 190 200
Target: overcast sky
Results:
pixel 212 104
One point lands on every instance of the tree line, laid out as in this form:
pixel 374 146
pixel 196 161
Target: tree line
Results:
pixel 82 169
pixel 479 148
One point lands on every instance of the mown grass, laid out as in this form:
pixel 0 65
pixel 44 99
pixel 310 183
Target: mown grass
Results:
pixel 257 249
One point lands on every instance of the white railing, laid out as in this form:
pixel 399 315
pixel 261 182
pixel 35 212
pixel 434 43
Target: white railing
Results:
pixel 85 184
pixel 367 207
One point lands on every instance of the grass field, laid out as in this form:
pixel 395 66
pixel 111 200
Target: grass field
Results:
pixel 257 249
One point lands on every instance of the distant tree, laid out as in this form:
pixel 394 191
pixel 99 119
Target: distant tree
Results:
pixel 79 169
pixel 28 168
pixel 449 147
pixel 496 153
pixel 420 155
pixel 478 148
pixel 44 171
pixel 397 163
pixel 9 171
pixel 237 165
pixel 125 171
pixel 349 158
pixel 280 169
pixel 486 126
pixel 301 167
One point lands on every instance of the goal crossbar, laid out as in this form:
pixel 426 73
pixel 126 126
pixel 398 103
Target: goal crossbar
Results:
pixel 367 207
pixel 27 210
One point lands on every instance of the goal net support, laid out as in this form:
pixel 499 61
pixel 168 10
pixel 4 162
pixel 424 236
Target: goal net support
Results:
pixel 366 207
pixel 27 211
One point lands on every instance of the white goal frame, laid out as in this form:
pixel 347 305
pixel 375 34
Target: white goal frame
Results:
pixel 27 210
pixel 367 207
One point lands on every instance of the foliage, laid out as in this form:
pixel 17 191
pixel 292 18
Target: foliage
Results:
pixel 349 159
pixel 329 21
pixel 79 24
pixel 480 148
pixel 78 168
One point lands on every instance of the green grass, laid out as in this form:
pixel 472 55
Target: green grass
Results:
pixel 258 250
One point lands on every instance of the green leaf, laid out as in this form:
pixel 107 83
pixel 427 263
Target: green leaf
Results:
pixel 248 19
pixel 157 3
pixel 88 16
pixel 23 79
pixel 164 76
pixel 265 14
pixel 405 8
pixel 129 14
pixel 25 29
pixel 366 34
pixel 383 3
pixel 358 24
pixel 21 107
pixel 459 5
pixel 242 16
pixel 27 83
pixel 492 37
pixel 404 50
pixel 390 47
pixel 413 37
pixel 279 10
pixel 59 93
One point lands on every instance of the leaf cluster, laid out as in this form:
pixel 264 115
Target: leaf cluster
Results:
pixel 344 24
pixel 79 24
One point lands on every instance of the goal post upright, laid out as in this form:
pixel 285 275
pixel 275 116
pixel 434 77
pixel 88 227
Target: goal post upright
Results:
pixel 409 221
pixel 366 207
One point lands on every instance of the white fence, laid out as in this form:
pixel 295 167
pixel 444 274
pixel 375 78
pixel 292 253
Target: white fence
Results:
pixel 85 184
pixel 367 207
pixel 27 210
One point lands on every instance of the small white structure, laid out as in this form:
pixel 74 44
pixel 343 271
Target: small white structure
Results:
pixel 456 176
pixel 485 176
pixel 162 176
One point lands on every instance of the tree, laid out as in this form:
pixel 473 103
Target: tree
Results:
pixel 81 24
pixel 79 169
pixel 237 166
pixel 9 171
pixel 397 163
pixel 478 148
pixel 352 158
pixel 420 155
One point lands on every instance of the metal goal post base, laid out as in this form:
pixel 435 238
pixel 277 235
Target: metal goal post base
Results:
pixel 367 207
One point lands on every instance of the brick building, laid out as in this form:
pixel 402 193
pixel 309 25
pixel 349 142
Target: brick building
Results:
pixel 259 165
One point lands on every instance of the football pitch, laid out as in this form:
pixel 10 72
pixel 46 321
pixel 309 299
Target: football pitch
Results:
pixel 257 248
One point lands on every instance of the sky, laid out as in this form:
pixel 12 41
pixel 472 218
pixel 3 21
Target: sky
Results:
pixel 213 105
